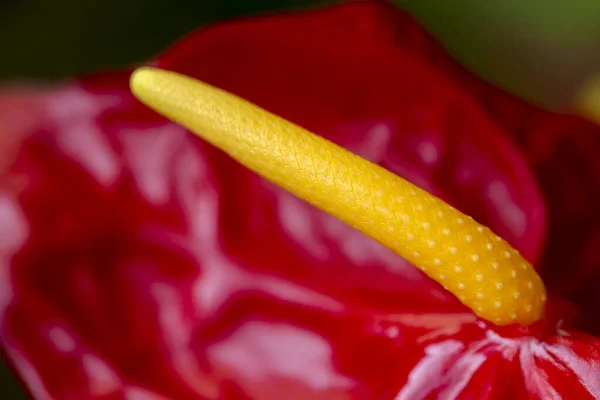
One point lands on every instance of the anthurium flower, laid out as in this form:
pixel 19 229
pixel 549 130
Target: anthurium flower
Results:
pixel 141 262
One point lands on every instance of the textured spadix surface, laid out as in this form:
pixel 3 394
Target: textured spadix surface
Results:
pixel 482 270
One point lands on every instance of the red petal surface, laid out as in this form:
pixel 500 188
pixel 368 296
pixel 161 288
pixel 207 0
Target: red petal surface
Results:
pixel 140 263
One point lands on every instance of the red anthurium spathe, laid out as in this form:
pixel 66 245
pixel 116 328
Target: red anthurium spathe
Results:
pixel 139 262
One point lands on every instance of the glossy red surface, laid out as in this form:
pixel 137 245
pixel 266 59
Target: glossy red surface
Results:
pixel 139 263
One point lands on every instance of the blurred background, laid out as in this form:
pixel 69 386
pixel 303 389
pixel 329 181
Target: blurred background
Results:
pixel 540 49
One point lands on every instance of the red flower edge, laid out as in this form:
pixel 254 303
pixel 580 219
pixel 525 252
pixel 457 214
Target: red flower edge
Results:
pixel 140 261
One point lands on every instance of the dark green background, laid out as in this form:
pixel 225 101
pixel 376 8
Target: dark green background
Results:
pixel 541 49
